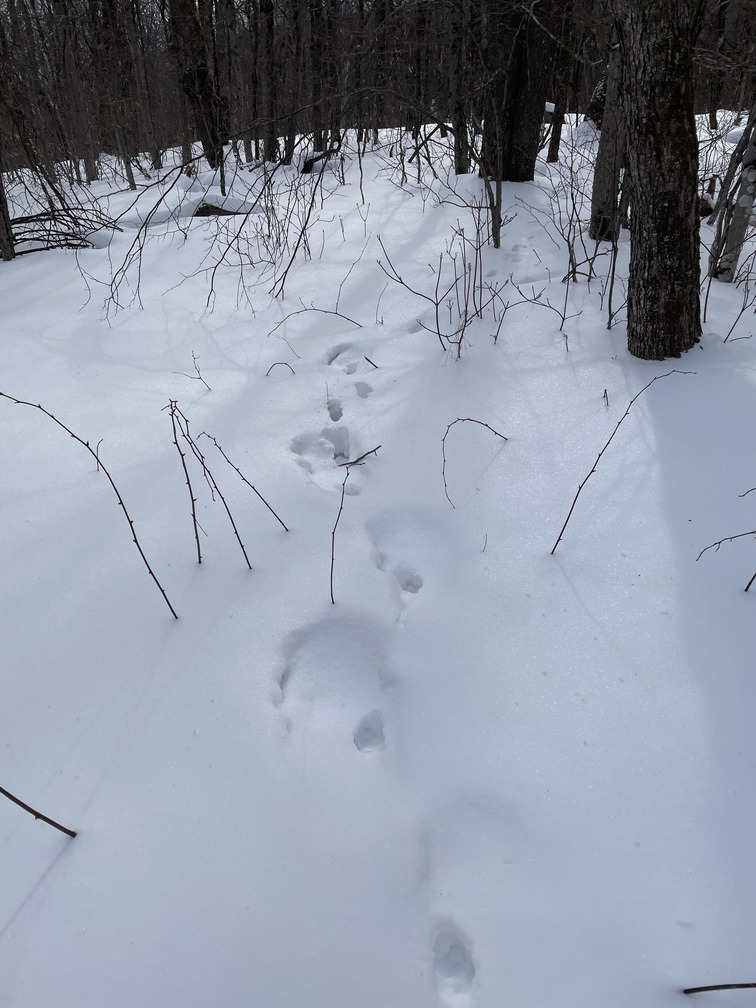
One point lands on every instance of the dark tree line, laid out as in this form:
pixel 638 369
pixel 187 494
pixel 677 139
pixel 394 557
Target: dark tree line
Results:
pixel 134 76
pixel 250 78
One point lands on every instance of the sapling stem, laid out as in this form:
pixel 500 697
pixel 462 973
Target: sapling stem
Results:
pixel 36 814
pixel 598 457
pixel 348 466
pixel 192 498
pixel 245 480
pixel 333 532
pixel 101 466
pixel 183 426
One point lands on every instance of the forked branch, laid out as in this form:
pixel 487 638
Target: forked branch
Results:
pixel 182 423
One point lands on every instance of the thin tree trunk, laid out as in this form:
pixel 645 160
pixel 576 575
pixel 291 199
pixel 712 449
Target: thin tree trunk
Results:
pixel 605 222
pixel 266 79
pixel 459 102
pixel 736 214
pixel 527 86
pixel 195 66
pixel 565 78
pixel 557 122
pixel 7 247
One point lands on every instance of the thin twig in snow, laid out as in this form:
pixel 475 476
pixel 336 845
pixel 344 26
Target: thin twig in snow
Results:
pixel 718 987
pixel 116 491
pixel 443 446
pixel 37 815
pixel 348 466
pixel 244 479
pixel 598 457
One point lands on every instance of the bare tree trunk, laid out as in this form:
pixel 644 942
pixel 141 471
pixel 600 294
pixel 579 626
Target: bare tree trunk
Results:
pixel 527 86
pixel 663 305
pixel 196 70
pixel 7 247
pixel 266 83
pixel 460 25
pixel 126 162
pixel 605 219
pixel 557 123
pixel 567 73
pixel 735 213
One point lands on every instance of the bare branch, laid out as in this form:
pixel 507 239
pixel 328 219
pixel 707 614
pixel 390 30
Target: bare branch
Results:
pixel 443 446
pixel 718 987
pixel 37 815
pixel 100 466
pixel 598 457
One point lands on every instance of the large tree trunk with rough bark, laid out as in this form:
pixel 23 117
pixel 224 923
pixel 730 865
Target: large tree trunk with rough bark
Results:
pixel 663 305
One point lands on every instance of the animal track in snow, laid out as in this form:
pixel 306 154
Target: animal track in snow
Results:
pixel 368 735
pixel 415 546
pixel 332 673
pixel 363 389
pixel 345 356
pixel 465 852
pixel 335 412
pixel 406 576
pixel 408 579
pixel 452 962
pixel 402 540
pixel 320 456
pixel 335 352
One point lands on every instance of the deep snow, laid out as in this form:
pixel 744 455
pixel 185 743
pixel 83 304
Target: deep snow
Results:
pixel 487 775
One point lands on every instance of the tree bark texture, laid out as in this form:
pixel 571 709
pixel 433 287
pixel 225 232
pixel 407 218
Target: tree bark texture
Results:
pixel 195 65
pixel 266 78
pixel 512 128
pixel 459 102
pixel 663 305
pixel 7 246
pixel 610 158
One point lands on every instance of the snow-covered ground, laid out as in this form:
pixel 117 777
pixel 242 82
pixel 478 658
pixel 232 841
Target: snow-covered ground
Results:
pixel 486 775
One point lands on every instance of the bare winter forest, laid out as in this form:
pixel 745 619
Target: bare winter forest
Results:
pixel 274 82
pixel 376 597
